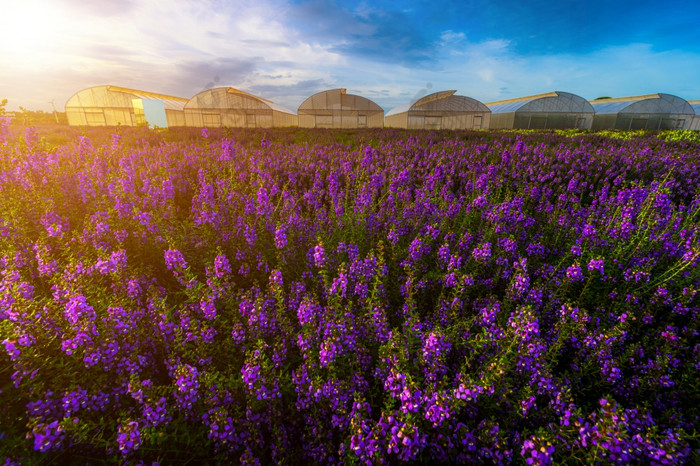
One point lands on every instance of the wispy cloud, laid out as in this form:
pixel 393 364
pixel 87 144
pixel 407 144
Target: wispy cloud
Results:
pixel 286 50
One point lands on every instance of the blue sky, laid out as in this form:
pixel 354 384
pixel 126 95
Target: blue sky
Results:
pixel 390 52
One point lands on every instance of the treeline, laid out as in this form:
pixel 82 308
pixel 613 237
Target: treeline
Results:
pixel 32 117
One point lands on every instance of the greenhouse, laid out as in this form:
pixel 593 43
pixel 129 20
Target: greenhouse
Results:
pixel 553 110
pixel 696 119
pixel 113 106
pixel 440 110
pixel 336 109
pixel 653 111
pixel 229 107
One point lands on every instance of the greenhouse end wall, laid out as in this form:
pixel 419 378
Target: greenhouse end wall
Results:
pixel 502 120
pixel 448 120
pixel 400 120
pixel 335 108
pixel 638 121
pixel 552 121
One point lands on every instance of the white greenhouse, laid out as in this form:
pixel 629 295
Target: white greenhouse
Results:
pixel 553 110
pixel 696 119
pixel 653 111
pixel 337 109
pixel 440 110
pixel 229 107
pixel 113 106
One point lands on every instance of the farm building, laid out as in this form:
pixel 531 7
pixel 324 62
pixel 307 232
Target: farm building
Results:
pixel 696 119
pixel 229 107
pixel 113 105
pixel 653 111
pixel 337 109
pixel 555 110
pixel 440 110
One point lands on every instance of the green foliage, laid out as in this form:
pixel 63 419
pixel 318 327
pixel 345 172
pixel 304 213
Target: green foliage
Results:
pixel 688 135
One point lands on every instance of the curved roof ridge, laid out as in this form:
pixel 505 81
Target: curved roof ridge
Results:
pixel 433 97
pixel 625 99
pixel 521 99
pixel 342 91
pixel 621 104
pixel 154 95
pixel 233 90
pixel 430 98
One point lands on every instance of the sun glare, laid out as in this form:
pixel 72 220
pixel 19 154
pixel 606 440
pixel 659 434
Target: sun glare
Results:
pixel 30 32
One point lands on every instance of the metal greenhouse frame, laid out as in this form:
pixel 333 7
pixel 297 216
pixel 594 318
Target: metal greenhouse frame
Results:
pixel 440 110
pixel 553 110
pixel 652 111
pixel 114 105
pixel 336 109
pixel 229 107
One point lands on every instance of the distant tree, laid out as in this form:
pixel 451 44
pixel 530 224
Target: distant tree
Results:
pixel 3 102
pixel 32 117
pixel 601 98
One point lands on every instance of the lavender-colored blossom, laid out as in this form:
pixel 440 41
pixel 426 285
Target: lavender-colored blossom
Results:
pixel 574 273
pixel 280 237
pixel 482 253
pixel 11 349
pixel 174 260
pixel 276 278
pixel 129 438
pixel 596 264
pixel 187 383
pixel 48 437
pixel 222 267
pixel 319 256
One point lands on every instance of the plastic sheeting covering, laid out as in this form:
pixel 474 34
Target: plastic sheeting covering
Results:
pixel 553 110
pixel 229 107
pixel 337 109
pixel 696 119
pixel 440 110
pixel 114 106
pixel 652 111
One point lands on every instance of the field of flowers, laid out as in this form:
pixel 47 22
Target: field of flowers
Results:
pixel 367 297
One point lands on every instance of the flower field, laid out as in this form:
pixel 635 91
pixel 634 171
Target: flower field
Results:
pixel 368 297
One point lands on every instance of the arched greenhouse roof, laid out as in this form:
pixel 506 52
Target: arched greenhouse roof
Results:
pixel 231 98
pixel 650 103
pixel 115 96
pixel 444 101
pixel 551 102
pixel 338 99
pixel 696 106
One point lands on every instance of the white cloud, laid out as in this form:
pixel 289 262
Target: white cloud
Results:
pixel 183 46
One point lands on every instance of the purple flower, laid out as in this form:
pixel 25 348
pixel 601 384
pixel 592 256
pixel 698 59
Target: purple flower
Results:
pixel 156 414
pixel 222 267
pixel 596 264
pixel 174 260
pixel 482 253
pixel 319 256
pixel 208 308
pixel 574 273
pixel 48 437
pixel 281 237
pixel 11 349
pixel 129 438
pixel 276 278
pixel 78 310
pixel 187 384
